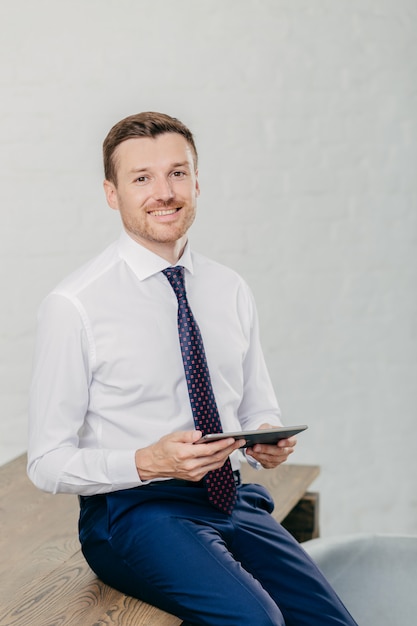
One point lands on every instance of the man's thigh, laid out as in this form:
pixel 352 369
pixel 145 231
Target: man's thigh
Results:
pixel 164 552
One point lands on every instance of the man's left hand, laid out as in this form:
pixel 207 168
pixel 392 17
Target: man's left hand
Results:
pixel 272 455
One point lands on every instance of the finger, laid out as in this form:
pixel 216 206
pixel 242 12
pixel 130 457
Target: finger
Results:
pixel 270 454
pixel 223 446
pixel 216 458
pixel 283 444
pixel 198 467
pixel 213 465
pixel 287 443
pixel 277 453
pixel 186 436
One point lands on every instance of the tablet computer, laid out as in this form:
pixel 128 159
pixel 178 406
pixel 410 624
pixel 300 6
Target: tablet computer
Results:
pixel 264 435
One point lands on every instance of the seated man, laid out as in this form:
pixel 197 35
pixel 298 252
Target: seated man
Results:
pixel 139 353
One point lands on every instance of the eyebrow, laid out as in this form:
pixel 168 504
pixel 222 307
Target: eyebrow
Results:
pixel 172 166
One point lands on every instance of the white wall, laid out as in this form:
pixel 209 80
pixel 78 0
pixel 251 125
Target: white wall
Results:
pixel 304 114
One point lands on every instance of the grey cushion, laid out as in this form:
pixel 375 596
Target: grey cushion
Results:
pixel 374 575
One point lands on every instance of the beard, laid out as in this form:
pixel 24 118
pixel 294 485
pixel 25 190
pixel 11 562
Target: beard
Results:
pixel 142 228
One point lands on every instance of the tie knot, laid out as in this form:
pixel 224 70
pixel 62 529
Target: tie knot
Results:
pixel 175 276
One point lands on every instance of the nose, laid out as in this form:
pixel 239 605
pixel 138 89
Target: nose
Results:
pixel 163 191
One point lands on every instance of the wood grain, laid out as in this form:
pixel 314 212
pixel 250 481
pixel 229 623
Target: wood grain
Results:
pixel 73 595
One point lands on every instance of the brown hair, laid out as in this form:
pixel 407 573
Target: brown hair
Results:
pixel 146 124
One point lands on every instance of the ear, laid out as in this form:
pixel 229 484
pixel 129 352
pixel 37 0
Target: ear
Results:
pixel 197 184
pixel 111 194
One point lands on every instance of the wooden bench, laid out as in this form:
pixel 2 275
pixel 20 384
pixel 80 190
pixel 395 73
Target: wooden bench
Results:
pixel 44 580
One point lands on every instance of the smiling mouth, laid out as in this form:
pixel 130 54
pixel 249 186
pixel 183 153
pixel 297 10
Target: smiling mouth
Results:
pixel 162 212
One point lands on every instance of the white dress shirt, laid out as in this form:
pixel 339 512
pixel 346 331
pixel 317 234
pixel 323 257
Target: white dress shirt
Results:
pixel 108 375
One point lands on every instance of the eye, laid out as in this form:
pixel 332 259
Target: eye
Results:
pixel 141 179
pixel 178 174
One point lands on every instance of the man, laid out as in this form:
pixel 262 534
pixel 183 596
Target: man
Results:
pixel 116 408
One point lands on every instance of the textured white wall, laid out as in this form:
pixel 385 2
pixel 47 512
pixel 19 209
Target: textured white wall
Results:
pixel 304 114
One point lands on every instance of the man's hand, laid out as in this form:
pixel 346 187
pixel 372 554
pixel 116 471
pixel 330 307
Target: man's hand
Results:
pixel 270 456
pixel 178 455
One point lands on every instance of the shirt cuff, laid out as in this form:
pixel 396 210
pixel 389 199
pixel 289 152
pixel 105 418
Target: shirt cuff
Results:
pixel 122 470
pixel 252 462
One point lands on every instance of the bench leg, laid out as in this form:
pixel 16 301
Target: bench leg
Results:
pixel 303 521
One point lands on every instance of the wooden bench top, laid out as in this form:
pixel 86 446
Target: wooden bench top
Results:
pixel 44 579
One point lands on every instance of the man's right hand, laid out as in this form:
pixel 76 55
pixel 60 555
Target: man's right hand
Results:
pixel 179 455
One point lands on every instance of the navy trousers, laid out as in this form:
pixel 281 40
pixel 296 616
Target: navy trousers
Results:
pixel 165 544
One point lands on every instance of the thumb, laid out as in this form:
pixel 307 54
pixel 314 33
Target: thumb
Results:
pixel 188 436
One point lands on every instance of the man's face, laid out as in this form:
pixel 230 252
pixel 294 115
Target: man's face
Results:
pixel 157 189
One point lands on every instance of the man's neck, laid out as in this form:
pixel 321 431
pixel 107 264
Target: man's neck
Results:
pixel 170 251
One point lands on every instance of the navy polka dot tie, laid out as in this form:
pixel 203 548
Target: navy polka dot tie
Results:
pixel 220 483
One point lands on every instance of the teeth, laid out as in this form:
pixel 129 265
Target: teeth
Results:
pixel 167 212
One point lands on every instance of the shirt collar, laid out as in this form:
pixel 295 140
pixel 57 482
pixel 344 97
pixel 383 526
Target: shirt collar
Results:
pixel 145 263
